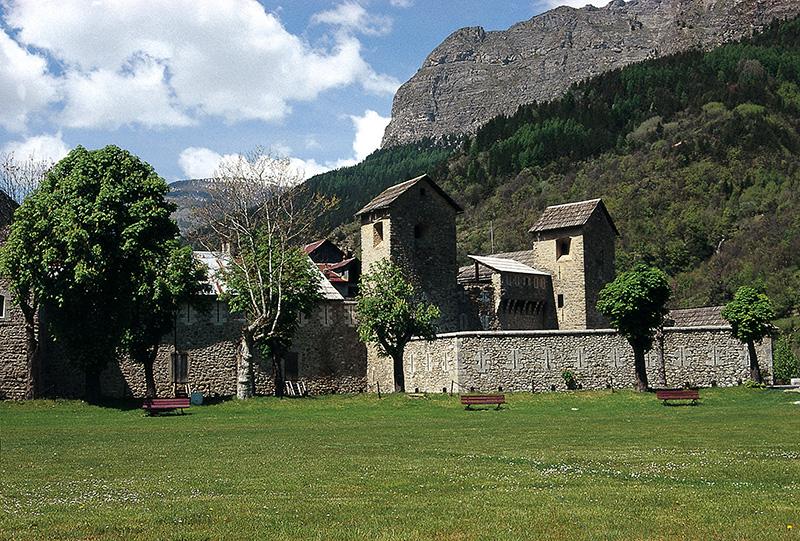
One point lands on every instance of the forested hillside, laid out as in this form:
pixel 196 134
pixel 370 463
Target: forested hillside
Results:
pixel 696 155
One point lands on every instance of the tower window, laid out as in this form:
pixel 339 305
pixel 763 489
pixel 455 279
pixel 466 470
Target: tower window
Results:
pixel 422 192
pixel 562 247
pixel 561 300
pixel 419 231
pixel 377 233
pixel 2 306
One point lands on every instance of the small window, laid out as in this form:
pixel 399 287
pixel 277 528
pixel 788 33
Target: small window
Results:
pixel 562 247
pixel 561 300
pixel 419 231
pixel 2 306
pixel 422 193
pixel 377 233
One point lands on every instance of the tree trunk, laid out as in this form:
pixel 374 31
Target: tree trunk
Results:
pixel 92 385
pixel 32 353
pixel 277 374
pixel 662 368
pixel 755 371
pixel 640 368
pixel 245 378
pixel 149 377
pixel 399 373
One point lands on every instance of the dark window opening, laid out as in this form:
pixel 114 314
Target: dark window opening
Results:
pixel 560 300
pixel 2 306
pixel 422 192
pixel 377 233
pixel 562 247
pixel 419 231
pixel 291 366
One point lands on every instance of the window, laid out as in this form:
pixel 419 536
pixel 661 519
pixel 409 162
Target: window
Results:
pixel 291 366
pixel 419 231
pixel 2 306
pixel 561 300
pixel 327 315
pixel 377 233
pixel 562 247
pixel 422 193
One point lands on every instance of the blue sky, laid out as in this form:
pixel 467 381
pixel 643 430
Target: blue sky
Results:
pixel 182 83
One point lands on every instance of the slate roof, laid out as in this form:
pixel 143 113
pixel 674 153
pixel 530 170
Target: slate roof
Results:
pixel 390 195
pixel 570 215
pixel 696 317
pixel 215 262
pixel 467 273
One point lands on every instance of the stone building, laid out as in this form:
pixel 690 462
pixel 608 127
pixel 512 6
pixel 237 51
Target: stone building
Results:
pixel 414 224
pixel 341 269
pixel 526 316
pixel 575 244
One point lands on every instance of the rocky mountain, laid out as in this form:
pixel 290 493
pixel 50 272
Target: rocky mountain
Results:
pixel 476 75
pixel 187 195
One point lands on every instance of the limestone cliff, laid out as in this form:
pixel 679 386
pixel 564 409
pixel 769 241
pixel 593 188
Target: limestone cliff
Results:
pixel 475 75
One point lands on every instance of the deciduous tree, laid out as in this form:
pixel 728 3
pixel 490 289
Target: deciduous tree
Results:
pixel 270 281
pixel 81 242
pixel 391 311
pixel 750 314
pixel 635 303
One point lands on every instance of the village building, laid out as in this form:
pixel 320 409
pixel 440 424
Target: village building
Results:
pixel 341 269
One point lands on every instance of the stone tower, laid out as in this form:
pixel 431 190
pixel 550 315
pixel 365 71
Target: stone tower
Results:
pixel 414 224
pixel 575 243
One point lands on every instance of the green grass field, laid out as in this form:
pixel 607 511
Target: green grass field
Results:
pixel 588 465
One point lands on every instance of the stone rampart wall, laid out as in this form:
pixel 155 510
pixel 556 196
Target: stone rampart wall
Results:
pixel 13 350
pixel 331 359
pixel 535 360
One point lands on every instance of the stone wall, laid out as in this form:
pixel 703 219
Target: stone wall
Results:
pixel 330 357
pixel 13 351
pixel 535 360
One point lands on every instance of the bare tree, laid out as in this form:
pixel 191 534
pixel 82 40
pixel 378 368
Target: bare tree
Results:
pixel 259 212
pixel 18 178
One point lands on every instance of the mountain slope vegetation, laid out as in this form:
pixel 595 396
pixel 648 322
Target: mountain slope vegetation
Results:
pixel 697 156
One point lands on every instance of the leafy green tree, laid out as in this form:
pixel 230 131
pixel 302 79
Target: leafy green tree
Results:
pixel 254 213
pixel 170 277
pixel 636 303
pixel 750 314
pixel 785 363
pixel 391 311
pixel 80 244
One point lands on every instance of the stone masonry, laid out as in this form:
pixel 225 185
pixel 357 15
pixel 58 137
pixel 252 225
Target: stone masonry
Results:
pixel 13 350
pixel 535 360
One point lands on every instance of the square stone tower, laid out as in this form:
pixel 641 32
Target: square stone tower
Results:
pixel 414 225
pixel 575 242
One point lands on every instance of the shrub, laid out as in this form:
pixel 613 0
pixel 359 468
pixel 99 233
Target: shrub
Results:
pixel 569 380
pixel 785 365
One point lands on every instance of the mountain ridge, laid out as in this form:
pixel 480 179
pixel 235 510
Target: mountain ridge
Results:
pixel 475 75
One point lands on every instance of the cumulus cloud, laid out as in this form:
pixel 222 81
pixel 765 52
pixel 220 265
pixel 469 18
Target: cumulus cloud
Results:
pixel 369 132
pixel 25 86
pixel 201 162
pixel 160 63
pixel 40 147
pixel 352 16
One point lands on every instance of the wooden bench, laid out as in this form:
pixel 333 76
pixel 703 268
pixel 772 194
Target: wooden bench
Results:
pixel 678 394
pixel 482 400
pixel 155 405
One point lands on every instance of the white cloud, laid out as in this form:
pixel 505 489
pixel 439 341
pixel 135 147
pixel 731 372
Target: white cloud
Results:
pixel 25 86
pixel 40 147
pixel 369 132
pixel 160 63
pixel 201 162
pixel 401 3
pixel 352 16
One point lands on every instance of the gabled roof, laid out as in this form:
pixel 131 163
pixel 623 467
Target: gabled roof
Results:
pixel 570 215
pixel 309 248
pixel 216 262
pixel 697 317
pixel 390 195
pixel 500 264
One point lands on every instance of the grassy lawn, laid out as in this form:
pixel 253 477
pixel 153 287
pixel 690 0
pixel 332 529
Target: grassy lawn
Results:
pixel 589 465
